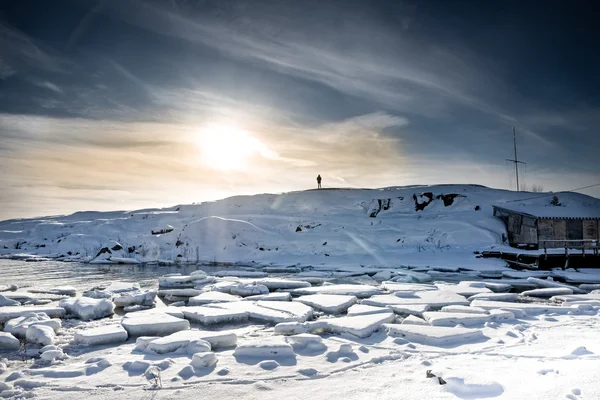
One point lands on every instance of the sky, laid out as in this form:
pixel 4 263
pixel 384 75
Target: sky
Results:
pixel 126 104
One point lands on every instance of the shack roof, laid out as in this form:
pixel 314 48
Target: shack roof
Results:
pixel 551 212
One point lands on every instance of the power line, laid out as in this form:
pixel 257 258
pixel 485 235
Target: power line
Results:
pixel 553 193
pixel 516 160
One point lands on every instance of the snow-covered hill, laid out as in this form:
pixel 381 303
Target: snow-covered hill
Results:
pixel 417 225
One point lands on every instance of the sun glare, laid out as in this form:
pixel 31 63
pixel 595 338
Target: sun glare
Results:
pixel 229 149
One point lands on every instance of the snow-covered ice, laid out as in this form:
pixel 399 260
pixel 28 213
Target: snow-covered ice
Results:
pixel 40 334
pixel 360 291
pixel 455 318
pixel 203 359
pixel 9 342
pixel 435 335
pixel 18 326
pixel 268 348
pixel 87 308
pixel 213 315
pixel 547 292
pixel 101 335
pixel 363 309
pixel 153 324
pixel 11 312
pixel 329 303
pixel 211 297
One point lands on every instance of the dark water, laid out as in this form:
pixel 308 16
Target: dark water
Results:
pixel 47 274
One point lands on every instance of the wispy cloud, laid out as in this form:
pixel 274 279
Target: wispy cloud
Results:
pixel 48 85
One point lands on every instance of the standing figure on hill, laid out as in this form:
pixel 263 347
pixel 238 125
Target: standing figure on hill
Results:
pixel 318 181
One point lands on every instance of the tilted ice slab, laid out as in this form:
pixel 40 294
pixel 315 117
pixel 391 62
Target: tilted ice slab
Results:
pixel 270 347
pixel 547 292
pixel 435 335
pixel 527 308
pixel 153 324
pixel 360 326
pixel 279 296
pixel 548 283
pixel 464 309
pixel 270 311
pixel 434 299
pixel 412 320
pixel 589 276
pixel 212 297
pixel 495 296
pixel 407 287
pixel 436 318
pixel 278 283
pixel 360 291
pixel 86 308
pixel 11 312
pixel 363 309
pixel 101 335
pixel 465 288
pixel 60 290
pixel 329 303
pixel 213 315
pixel 576 297
pixel 6 302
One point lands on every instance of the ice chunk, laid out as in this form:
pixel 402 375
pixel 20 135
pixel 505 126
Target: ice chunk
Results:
pixel 435 335
pixel 40 334
pixel 329 303
pixel 98 294
pixel 304 340
pixel 528 308
pixel 412 276
pixel 588 287
pixel 501 314
pixel 363 309
pixel 270 311
pixel 407 287
pixel 9 342
pixel 547 292
pixel 495 296
pixel 122 287
pixel 60 290
pixel 279 296
pixel 86 308
pixel 136 298
pixel 18 326
pixel 179 281
pixel 241 274
pixel 434 299
pixel 5 302
pixel 464 309
pixel 170 310
pixel 412 320
pixel 549 283
pixel 278 283
pixel 153 324
pixel 248 289
pixel 452 319
pixel 179 292
pixel 218 339
pixel 577 297
pixel 361 326
pixel 143 341
pixel 586 276
pixel 498 287
pixel 7 313
pixel 178 340
pixel 101 335
pixel 213 315
pixel 360 291
pixel 525 274
pixel 52 355
pixel 211 297
pixel 205 359
pixel 197 346
pixel 269 347
pixel 465 288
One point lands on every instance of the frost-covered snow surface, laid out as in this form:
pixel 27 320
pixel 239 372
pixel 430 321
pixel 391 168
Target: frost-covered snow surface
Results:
pixel 371 297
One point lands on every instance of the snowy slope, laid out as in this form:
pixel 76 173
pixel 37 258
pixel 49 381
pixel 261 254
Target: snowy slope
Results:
pixel 410 225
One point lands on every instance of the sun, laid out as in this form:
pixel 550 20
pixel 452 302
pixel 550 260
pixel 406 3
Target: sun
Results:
pixel 228 148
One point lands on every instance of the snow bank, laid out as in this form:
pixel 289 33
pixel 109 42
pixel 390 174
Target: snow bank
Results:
pixel 213 315
pixel 11 312
pixel 328 303
pixel 9 342
pixel 101 335
pixel 271 347
pixel 435 335
pixel 87 309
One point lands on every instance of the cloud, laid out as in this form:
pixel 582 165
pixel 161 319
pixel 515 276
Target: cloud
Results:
pixel 48 85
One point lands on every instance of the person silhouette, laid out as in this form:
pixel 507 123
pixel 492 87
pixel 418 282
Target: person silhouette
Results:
pixel 318 181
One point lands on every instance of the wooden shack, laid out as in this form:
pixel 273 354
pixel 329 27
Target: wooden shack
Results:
pixel 550 227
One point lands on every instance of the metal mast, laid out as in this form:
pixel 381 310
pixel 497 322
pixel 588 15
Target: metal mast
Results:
pixel 516 160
